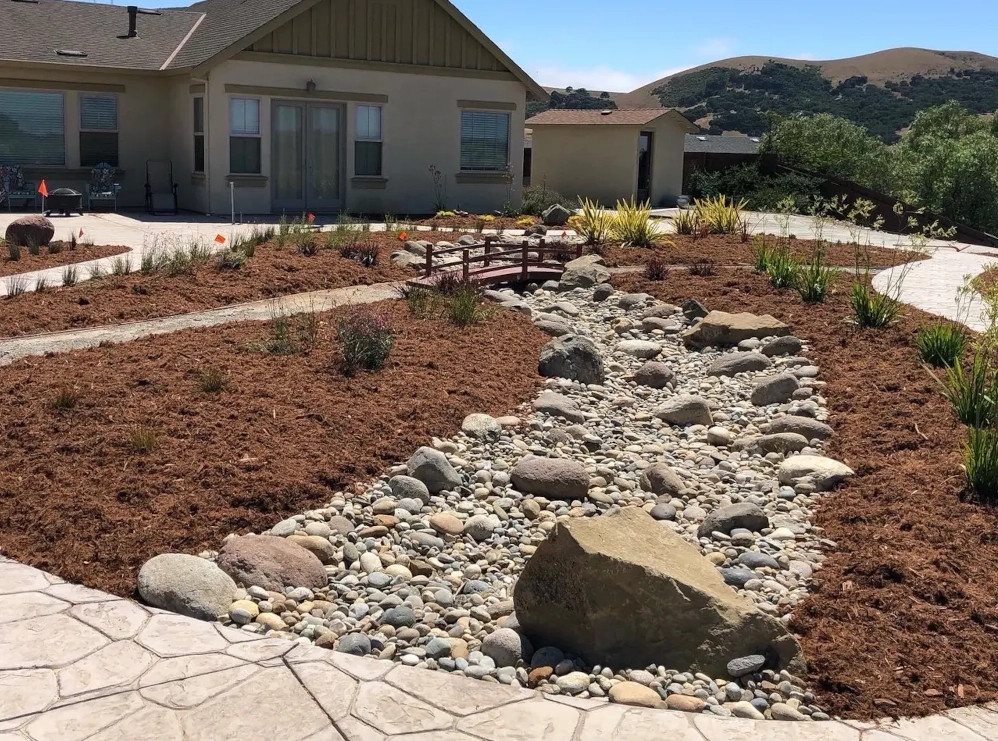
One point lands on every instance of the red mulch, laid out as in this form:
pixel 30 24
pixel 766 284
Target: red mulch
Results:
pixel 78 501
pixel 271 272
pixel 903 619
pixel 728 249
pixel 48 259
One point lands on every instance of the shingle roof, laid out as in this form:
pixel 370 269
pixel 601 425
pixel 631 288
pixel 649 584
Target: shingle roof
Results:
pixel 701 144
pixel 571 117
pixel 226 23
pixel 90 28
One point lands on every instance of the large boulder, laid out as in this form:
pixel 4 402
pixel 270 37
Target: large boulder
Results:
pixel 725 519
pixel 812 429
pixel 185 584
pixel 33 230
pixel 721 329
pixel 584 272
pixel 739 362
pixel 433 469
pixel 624 590
pixel 685 409
pixel 558 405
pixel 824 473
pixel 271 563
pixel 556 215
pixel 554 478
pixel 774 390
pixel 572 357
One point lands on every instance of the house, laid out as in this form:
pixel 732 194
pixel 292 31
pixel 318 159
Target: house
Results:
pixel 296 105
pixel 715 153
pixel 610 155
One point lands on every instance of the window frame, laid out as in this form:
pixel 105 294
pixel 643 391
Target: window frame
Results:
pixel 258 136
pixel 379 140
pixel 65 132
pixel 84 130
pixel 199 134
pixel 508 157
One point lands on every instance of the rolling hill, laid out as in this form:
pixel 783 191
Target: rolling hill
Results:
pixel 881 91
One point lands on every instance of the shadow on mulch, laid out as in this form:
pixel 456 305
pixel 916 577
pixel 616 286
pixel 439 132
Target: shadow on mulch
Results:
pixel 77 499
pixel 903 618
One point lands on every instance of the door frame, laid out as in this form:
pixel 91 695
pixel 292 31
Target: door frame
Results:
pixel 305 106
pixel 638 190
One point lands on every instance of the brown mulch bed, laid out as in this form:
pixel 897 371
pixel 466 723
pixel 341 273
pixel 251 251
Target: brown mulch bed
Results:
pixel 76 498
pixel 987 282
pixel 48 259
pixel 903 619
pixel 728 249
pixel 271 272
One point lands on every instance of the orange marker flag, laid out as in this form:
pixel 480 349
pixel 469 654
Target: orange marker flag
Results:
pixel 43 189
pixel 81 233
pixel 403 236
pixel 311 218
pixel 220 239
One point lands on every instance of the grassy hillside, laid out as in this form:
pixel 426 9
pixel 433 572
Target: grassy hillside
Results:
pixel 881 91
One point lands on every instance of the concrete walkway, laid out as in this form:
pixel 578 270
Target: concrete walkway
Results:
pixel 79 664
pixel 299 303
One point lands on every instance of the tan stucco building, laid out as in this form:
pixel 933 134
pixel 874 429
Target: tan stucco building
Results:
pixel 610 155
pixel 296 105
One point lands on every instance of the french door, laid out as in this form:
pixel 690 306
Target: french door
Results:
pixel 307 156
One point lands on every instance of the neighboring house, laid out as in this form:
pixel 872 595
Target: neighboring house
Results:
pixel 714 153
pixel 610 155
pixel 303 105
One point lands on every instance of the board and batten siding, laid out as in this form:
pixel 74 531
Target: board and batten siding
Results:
pixel 412 32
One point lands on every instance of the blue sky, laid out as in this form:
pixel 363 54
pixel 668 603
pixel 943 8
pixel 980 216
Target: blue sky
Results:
pixel 620 45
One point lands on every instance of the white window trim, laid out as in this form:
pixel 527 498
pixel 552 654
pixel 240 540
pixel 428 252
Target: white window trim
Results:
pixel 509 141
pixel 379 140
pixel 257 135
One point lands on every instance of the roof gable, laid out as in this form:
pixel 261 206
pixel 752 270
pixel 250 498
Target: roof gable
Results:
pixel 610 117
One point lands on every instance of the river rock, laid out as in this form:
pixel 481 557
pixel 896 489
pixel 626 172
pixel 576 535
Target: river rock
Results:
pixel 554 478
pixel 573 357
pixel 825 473
pixel 558 405
pixel 721 329
pixel 506 647
pixel 433 469
pixel 774 390
pixel 640 349
pixel 622 590
pixel 481 426
pixel 812 429
pixel 685 409
pixel 271 563
pixel 660 479
pixel 739 362
pixel 725 519
pixel 188 585
pixel 654 375
pixel 406 487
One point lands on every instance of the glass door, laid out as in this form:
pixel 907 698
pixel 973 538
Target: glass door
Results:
pixel 287 156
pixel 644 166
pixel 324 170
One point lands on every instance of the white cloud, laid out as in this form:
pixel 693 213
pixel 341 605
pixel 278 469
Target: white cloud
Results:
pixel 714 49
pixel 597 78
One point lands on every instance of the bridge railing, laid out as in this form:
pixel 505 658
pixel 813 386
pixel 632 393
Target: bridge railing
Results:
pixel 525 255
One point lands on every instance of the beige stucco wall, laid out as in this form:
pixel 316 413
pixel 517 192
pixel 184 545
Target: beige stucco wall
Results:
pixel 143 127
pixel 420 128
pixel 601 161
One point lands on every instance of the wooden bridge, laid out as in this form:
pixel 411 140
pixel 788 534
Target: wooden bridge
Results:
pixel 500 263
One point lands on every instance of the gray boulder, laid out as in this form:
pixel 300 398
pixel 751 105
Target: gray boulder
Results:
pixel 639 349
pixel 725 519
pixel 188 585
pixel 554 478
pixel 27 231
pixel 774 390
pixel 584 272
pixel 602 292
pixel 552 328
pixel 720 329
pixel 812 429
pixel 506 647
pixel 572 357
pixel 788 345
pixel 481 527
pixel 659 311
pixel 739 362
pixel 661 479
pixel 824 473
pixel 654 375
pixel 356 644
pixel 556 215
pixel 482 426
pixel 433 469
pixel 558 405
pixel 693 309
pixel 685 409
pixel 271 563
pixel 780 442
pixel 406 487
pixel 622 590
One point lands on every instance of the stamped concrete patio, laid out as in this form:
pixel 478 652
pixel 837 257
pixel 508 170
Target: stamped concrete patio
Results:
pixel 79 664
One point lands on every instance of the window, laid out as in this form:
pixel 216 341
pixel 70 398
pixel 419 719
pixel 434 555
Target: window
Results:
pixel 198 134
pixel 244 136
pixel 367 147
pixel 98 130
pixel 484 141
pixel 32 128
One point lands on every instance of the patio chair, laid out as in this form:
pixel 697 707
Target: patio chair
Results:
pixel 161 189
pixel 13 187
pixel 102 186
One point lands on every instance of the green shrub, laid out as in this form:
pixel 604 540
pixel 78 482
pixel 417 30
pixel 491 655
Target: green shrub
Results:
pixel 55 248
pixel 465 305
pixel 420 300
pixel 872 309
pixel 974 392
pixel 783 269
pixel 70 276
pixel 17 285
pixel 593 224
pixel 762 254
pixel 143 440
pixel 147 264
pixel 539 198
pixel 295 334
pixel 231 259
pixel 761 191
pixel 941 344
pixel 686 222
pixel 813 280
pixel 366 341
pixel 633 225
pixel 719 214
pixel 66 398
pixel 41 284
pixel 980 460
pixel 213 380
pixel 121 266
